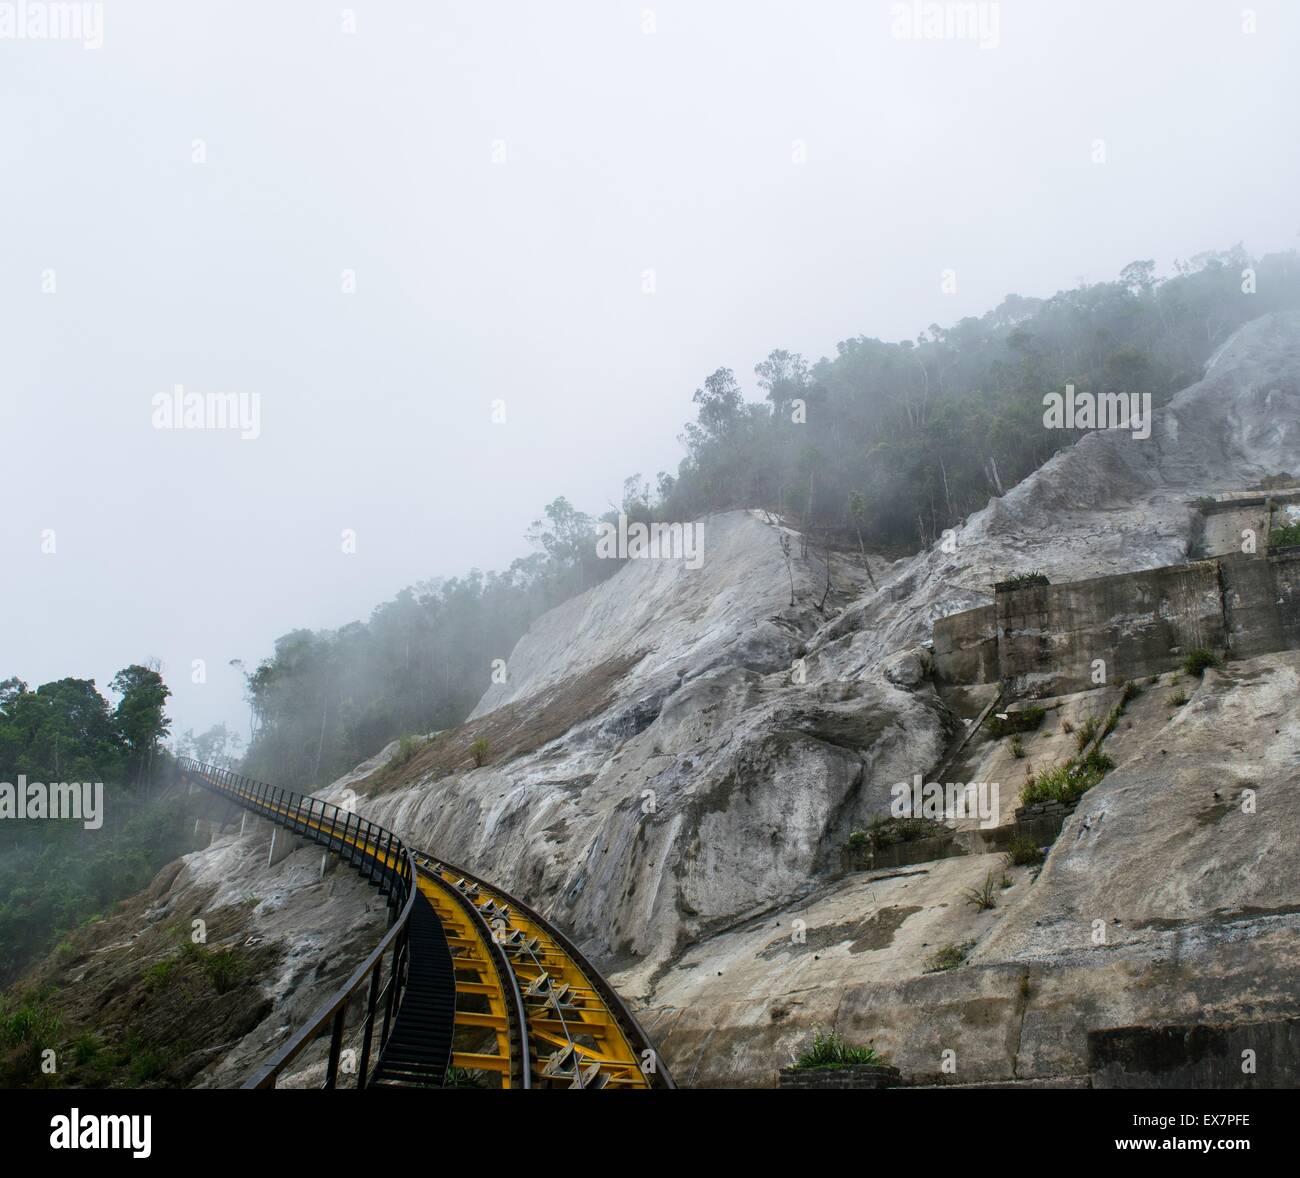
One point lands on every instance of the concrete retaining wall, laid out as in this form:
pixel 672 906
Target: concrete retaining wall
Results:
pixel 1197 1055
pixel 1042 640
pixel 966 646
pixel 1139 623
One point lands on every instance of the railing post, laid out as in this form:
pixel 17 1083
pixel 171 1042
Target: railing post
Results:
pixel 372 851
pixel 371 1002
pixel 393 982
pixel 385 879
pixel 348 838
pixel 336 1046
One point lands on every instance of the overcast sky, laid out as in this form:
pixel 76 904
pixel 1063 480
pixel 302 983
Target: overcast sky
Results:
pixel 179 206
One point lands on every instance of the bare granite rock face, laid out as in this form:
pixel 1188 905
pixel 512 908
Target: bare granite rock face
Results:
pixel 1170 896
pixel 713 784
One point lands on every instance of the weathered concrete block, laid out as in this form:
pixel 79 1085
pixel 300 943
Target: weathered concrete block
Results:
pixel 1197 1055
pixel 1140 623
pixel 864 1075
pixel 966 647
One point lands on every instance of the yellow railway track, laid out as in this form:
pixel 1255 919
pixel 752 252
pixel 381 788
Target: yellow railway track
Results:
pixel 530 1010
pixel 577 1038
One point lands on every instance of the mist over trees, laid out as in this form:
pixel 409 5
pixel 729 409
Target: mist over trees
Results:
pixel 883 445
pixel 327 700
pixel 920 434
pixel 54 873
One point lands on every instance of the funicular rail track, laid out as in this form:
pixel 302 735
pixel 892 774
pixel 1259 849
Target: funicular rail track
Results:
pixel 480 983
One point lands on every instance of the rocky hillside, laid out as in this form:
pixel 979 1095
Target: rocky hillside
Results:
pixel 713 747
pixel 676 760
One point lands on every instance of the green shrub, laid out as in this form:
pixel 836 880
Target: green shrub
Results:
pixel 830 1051
pixel 28 1023
pixel 1086 733
pixel 224 969
pixel 478 752
pixel 158 973
pixel 147 1065
pixel 1066 782
pixel 464 1078
pixel 1285 536
pixel 192 950
pixel 27 1028
pixel 1023 581
pixel 1017 748
pixel 1023 851
pixel 1198 660
pixel 86 1049
pixel 407 747
pixel 1178 698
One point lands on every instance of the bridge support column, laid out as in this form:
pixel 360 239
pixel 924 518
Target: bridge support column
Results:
pixel 283 844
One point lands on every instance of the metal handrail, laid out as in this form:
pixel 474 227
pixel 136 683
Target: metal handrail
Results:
pixel 360 844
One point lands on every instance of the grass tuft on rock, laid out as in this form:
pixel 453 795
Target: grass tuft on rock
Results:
pixel 1066 782
pixel 949 957
pixel 829 1050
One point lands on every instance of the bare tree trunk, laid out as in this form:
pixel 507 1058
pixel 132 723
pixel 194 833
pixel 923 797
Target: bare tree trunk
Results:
pixel 826 555
pixel 320 744
pixel 866 563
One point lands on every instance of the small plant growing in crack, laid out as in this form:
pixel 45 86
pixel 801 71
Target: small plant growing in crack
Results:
pixel 985 896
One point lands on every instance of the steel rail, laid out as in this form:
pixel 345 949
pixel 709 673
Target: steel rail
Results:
pixel 516 1012
pixel 627 1023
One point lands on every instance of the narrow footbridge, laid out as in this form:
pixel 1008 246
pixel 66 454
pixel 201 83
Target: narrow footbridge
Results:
pixel 468 987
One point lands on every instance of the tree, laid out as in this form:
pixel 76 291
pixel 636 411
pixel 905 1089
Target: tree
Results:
pixel 217 746
pixel 1138 277
pixel 568 538
pixel 720 402
pixel 785 377
pixel 139 716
